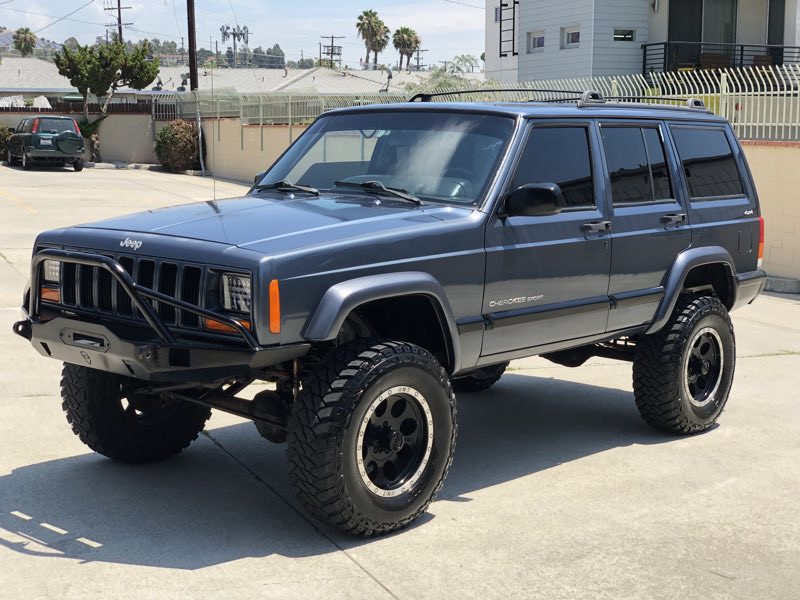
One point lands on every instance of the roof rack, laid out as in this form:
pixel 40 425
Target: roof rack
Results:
pixel 583 99
pixel 427 96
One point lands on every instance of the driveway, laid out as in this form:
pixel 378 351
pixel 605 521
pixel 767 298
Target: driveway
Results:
pixel 558 489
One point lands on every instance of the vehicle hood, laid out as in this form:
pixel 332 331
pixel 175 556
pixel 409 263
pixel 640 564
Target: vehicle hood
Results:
pixel 275 223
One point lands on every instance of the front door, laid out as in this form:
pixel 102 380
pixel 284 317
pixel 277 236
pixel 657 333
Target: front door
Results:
pixel 547 276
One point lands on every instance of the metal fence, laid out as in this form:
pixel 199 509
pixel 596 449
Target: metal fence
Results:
pixel 760 102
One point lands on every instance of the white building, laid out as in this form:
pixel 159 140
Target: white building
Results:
pixel 546 39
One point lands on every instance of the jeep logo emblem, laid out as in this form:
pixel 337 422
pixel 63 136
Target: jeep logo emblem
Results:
pixel 129 243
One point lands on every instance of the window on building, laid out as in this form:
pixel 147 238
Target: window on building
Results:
pixel 624 35
pixel 708 162
pixel 535 41
pixel 570 37
pixel 498 12
pixel 636 164
pixel 559 155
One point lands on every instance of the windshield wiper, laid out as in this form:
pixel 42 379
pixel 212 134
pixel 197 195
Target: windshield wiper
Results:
pixel 287 186
pixel 377 186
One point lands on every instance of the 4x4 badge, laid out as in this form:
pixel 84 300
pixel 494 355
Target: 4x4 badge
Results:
pixel 129 243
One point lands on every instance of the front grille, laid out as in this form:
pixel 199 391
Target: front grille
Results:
pixel 94 289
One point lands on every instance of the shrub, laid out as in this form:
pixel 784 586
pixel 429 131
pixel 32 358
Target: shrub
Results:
pixel 4 135
pixel 177 146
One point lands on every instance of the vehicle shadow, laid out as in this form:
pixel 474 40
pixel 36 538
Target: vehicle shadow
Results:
pixel 228 497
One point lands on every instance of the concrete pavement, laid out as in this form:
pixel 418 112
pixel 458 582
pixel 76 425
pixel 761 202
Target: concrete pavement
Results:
pixel 558 489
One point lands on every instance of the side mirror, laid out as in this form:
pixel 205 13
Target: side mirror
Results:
pixel 12 130
pixel 258 177
pixel 534 200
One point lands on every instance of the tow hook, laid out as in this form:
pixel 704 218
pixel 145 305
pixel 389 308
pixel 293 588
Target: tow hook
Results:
pixel 23 328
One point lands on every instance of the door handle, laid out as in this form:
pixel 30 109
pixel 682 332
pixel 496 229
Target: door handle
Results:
pixel 674 219
pixel 596 227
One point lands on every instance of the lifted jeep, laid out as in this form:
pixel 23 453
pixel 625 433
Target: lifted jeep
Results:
pixel 397 253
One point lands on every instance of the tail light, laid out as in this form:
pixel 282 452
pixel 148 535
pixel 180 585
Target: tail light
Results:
pixel 760 241
pixel 77 129
pixel 35 127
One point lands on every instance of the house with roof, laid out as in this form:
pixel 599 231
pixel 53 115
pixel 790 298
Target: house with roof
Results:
pixel 551 39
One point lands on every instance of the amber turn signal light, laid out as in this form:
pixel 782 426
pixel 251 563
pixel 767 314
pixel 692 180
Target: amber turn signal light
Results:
pixel 274 307
pixel 51 295
pixel 220 327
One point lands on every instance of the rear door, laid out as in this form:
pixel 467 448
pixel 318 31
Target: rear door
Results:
pixel 547 276
pixel 649 222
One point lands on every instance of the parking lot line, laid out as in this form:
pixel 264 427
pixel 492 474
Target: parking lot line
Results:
pixel 19 201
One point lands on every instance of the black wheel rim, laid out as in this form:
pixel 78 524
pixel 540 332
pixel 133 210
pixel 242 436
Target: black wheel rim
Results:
pixel 703 367
pixel 394 442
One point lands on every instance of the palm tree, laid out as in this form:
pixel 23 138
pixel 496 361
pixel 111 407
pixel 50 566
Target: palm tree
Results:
pixel 464 63
pixel 406 41
pixel 369 26
pixel 24 41
pixel 380 42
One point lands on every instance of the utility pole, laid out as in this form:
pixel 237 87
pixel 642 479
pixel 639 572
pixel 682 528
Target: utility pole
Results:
pixel 108 7
pixel 332 50
pixel 193 81
pixel 419 58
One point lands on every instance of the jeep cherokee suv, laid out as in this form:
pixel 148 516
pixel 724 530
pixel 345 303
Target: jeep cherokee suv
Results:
pixel 392 255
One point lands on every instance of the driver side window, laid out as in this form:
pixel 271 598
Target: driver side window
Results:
pixel 559 155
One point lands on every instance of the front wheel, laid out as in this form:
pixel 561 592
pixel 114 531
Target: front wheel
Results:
pixel 682 375
pixel 116 418
pixel 371 436
pixel 10 158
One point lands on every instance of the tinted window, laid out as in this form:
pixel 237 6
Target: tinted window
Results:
pixel 558 155
pixel 636 164
pixel 707 162
pixel 55 125
pixel 662 186
pixel 627 164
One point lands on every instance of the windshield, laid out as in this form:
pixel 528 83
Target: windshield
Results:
pixel 436 156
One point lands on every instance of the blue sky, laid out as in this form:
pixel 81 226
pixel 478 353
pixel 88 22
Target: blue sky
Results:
pixel 446 28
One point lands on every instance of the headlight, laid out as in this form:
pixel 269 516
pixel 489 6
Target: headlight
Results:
pixel 236 292
pixel 52 271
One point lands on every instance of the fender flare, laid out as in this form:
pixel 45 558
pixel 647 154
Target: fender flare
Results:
pixel 676 276
pixel 344 297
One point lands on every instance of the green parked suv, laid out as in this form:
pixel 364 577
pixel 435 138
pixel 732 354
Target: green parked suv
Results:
pixel 50 140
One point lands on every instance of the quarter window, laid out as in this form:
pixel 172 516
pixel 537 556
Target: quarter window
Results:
pixel 558 155
pixel 708 162
pixel 636 164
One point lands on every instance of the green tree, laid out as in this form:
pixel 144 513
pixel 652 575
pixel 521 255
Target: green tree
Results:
pixel 71 43
pixel 24 41
pixel 374 32
pixel 406 41
pixel 464 63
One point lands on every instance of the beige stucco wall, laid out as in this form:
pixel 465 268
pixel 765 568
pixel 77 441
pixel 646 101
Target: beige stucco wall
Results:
pixel 777 177
pixel 128 138
pixel 239 152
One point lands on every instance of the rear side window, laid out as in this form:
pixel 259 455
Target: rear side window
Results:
pixel 55 125
pixel 558 155
pixel 636 164
pixel 708 162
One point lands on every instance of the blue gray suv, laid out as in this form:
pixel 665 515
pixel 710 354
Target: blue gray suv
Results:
pixel 393 255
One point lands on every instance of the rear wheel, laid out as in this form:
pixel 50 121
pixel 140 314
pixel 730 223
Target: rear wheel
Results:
pixel 371 436
pixel 114 417
pixel 78 166
pixel 682 376
pixel 480 379
pixel 26 162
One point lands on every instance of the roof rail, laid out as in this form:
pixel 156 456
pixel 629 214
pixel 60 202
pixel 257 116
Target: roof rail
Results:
pixel 687 102
pixel 427 96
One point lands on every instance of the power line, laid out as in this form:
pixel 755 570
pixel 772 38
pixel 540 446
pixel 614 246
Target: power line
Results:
pixel 332 50
pixel 59 19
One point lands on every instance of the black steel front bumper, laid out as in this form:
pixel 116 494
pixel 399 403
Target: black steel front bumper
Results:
pixel 160 357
